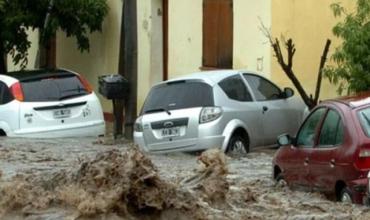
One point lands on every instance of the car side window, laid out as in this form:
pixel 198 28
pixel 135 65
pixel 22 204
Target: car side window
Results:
pixel 235 89
pixel 5 95
pixel 306 135
pixel 332 130
pixel 262 88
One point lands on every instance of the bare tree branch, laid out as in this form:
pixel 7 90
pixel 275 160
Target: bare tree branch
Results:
pixel 288 66
pixel 321 67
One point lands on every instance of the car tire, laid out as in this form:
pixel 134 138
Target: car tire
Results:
pixel 345 196
pixel 279 180
pixel 238 145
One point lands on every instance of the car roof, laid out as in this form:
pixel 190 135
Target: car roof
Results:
pixel 353 101
pixel 25 75
pixel 210 77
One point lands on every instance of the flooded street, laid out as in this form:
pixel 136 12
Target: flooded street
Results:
pixel 87 179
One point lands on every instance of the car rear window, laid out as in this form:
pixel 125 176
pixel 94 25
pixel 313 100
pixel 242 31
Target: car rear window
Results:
pixel 5 95
pixel 364 117
pixel 53 88
pixel 179 95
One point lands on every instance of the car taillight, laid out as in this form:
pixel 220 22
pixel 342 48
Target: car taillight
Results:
pixel 368 183
pixel 209 114
pixel 17 92
pixel 363 160
pixel 85 84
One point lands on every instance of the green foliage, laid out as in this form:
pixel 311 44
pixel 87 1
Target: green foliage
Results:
pixel 352 58
pixel 77 18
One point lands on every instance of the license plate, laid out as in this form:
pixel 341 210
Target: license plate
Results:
pixel 171 132
pixel 62 113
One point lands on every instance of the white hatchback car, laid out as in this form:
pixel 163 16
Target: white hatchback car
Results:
pixel 231 110
pixel 48 104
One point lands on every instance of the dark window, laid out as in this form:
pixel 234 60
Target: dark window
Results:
pixel 306 135
pixel 178 95
pixel 5 95
pixel 332 130
pixel 263 89
pixel 53 89
pixel 364 116
pixel 218 33
pixel 235 89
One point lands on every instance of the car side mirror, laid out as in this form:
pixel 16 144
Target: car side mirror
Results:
pixel 288 92
pixel 284 140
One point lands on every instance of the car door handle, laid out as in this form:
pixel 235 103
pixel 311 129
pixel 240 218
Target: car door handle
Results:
pixel 264 109
pixel 332 163
pixel 306 160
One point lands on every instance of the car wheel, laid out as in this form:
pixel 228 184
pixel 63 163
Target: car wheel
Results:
pixel 279 180
pixel 345 196
pixel 238 145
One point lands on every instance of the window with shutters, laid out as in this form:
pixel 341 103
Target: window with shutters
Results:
pixel 218 33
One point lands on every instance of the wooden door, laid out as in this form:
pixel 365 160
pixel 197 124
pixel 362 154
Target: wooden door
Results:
pixel 217 33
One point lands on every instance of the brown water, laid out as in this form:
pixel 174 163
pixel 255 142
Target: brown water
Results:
pixel 87 179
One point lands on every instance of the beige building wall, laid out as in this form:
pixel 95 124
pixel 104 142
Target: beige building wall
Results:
pixel 33 37
pixel 103 56
pixel 150 46
pixel 306 21
pixel 309 23
pixel 250 50
pixel 184 37
pixel 251 47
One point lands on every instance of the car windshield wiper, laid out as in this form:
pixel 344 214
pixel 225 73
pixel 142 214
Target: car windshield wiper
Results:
pixel 78 89
pixel 71 96
pixel 158 110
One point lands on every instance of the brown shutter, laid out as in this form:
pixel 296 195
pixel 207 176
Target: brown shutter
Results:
pixel 217 33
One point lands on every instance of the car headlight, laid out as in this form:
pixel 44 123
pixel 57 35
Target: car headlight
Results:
pixel 138 126
pixel 209 114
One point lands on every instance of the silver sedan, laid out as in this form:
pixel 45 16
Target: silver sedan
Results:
pixel 231 110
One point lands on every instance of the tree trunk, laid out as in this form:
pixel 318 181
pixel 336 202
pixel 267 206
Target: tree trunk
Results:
pixel 47 53
pixel 128 62
pixel 3 67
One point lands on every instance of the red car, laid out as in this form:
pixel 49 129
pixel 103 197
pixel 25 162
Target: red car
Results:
pixel 331 152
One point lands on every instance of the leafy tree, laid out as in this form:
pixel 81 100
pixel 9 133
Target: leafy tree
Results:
pixel 352 57
pixel 77 18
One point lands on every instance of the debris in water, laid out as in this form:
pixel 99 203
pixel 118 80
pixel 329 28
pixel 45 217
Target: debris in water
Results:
pixel 210 178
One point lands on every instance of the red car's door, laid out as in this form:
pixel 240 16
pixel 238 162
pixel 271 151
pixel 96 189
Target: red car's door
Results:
pixel 323 168
pixel 295 165
pixel 296 159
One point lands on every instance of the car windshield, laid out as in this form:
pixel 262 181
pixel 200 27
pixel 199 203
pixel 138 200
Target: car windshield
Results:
pixel 178 95
pixel 364 116
pixel 53 89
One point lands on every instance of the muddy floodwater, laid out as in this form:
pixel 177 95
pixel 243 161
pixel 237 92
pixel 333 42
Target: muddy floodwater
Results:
pixel 92 179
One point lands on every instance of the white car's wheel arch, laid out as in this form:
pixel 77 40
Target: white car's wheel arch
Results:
pixel 229 131
pixel 5 128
